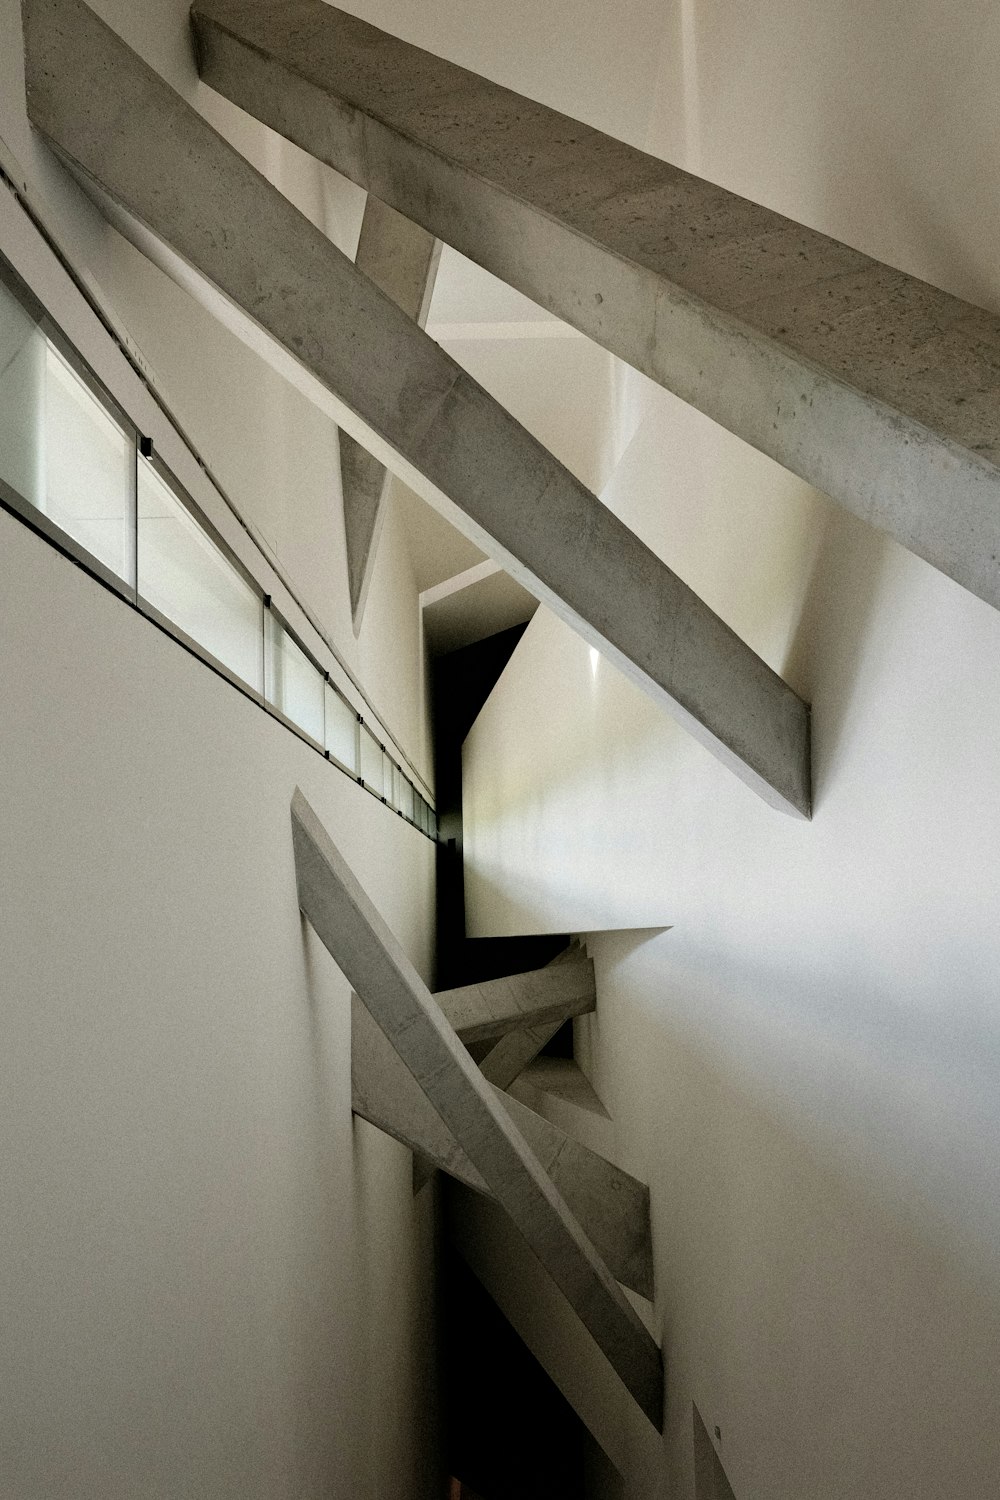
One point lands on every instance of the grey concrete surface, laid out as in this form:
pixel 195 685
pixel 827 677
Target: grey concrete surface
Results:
pixel 539 997
pixel 611 1206
pixel 506 1059
pixel 402 260
pixel 559 1089
pixel 375 965
pixel 501 1060
pixel 509 1056
pixel 874 386
pixel 562 1078
pixel 122 128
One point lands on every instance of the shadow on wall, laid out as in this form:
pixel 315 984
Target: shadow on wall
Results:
pixel 833 1220
pixel 787 1264
pixel 844 583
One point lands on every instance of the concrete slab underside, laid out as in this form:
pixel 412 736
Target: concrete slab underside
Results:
pixel 874 386
pixel 375 965
pixel 448 438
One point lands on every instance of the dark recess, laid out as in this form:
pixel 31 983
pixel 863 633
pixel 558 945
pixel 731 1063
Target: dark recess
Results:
pixel 461 682
pixel 509 1432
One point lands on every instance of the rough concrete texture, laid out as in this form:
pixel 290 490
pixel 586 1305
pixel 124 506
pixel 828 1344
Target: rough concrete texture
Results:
pixel 502 1063
pixel 375 965
pixel 562 1078
pixel 402 260
pixel 872 385
pixel 508 1058
pixel 502 1060
pixel 123 128
pixel 542 996
pixel 611 1206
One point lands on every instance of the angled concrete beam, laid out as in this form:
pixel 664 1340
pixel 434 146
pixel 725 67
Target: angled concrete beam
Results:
pixel 503 1059
pixel 558 1089
pixel 376 967
pixel 502 1063
pixel 121 127
pixel 497 1007
pixel 874 386
pixel 611 1206
pixel 492 1249
pixel 508 1058
pixel 401 259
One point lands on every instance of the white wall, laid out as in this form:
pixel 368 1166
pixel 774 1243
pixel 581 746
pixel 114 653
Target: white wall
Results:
pixel 806 1063
pixel 213 1284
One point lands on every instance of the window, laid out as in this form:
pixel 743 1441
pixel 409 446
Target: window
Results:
pixel 89 469
pixel 186 577
pixel 371 762
pixel 295 684
pixel 61 447
pixel 341 731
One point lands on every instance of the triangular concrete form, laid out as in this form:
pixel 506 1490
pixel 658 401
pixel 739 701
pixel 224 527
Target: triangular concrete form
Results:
pixel 402 260
pixel 360 943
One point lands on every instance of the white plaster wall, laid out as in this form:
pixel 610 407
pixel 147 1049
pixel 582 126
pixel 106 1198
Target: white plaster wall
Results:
pixel 211 1282
pixel 273 449
pixel 806 1062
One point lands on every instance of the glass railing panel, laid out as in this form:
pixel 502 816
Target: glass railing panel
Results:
pixel 371 762
pixel 89 468
pixel 184 576
pixel 341 730
pixel 294 684
pixel 406 798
